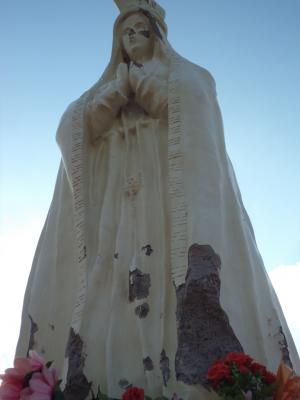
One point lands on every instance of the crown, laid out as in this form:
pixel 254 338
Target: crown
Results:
pixel 149 5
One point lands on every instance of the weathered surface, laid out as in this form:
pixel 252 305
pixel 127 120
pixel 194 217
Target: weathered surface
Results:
pixel 148 250
pixel 148 364
pixel 204 332
pixel 139 285
pixel 77 386
pixel 142 311
pixel 165 367
pixel 33 329
pixel 285 349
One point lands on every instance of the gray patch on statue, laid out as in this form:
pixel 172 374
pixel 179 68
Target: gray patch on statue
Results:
pixel 148 364
pixel 124 384
pixel 142 311
pixel 285 349
pixel 52 327
pixel 148 250
pixel 165 367
pixel 139 285
pixel 77 386
pixel 33 330
pixel 203 328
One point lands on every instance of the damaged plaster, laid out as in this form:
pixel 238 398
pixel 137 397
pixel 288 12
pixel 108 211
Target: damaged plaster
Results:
pixel 33 330
pixel 165 367
pixel 148 364
pixel 142 311
pixel 285 349
pixel 77 387
pixel 139 285
pixel 204 331
pixel 148 250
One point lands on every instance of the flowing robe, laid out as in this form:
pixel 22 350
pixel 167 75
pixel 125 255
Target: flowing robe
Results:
pixel 133 325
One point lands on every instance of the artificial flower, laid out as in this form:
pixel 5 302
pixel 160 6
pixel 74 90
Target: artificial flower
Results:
pixel 134 393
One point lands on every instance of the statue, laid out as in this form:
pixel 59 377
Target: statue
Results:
pixel 147 269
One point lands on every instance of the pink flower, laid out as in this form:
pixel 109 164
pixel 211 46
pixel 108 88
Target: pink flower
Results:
pixel 13 378
pixel 247 395
pixel 36 361
pixel 42 384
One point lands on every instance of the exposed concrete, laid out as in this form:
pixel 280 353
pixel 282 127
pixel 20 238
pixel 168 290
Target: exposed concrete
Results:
pixel 148 364
pixel 77 387
pixel 142 311
pixel 165 367
pixel 285 349
pixel 139 285
pixel 204 331
pixel 33 330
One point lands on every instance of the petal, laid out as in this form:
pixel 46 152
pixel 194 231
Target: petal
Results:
pixel 50 375
pixel 26 394
pixel 22 365
pixel 38 385
pixel 39 396
pixel 36 360
pixel 9 391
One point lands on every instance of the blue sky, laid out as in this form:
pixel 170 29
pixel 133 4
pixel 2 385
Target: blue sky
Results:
pixel 51 51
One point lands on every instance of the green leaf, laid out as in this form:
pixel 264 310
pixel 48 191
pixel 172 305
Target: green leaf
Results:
pixel 58 394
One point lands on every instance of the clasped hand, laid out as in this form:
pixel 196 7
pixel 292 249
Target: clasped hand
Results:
pixel 129 77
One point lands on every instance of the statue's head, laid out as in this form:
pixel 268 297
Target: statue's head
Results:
pixel 137 37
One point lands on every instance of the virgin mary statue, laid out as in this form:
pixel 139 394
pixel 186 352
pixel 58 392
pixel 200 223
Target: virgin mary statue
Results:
pixel 147 270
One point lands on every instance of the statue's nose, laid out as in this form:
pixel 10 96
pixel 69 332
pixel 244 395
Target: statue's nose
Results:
pixel 131 33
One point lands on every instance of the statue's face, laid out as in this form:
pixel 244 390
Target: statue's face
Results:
pixel 137 37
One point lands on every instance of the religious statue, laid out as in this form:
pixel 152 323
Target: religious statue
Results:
pixel 147 269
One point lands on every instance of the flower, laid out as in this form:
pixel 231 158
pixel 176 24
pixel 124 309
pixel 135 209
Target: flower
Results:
pixel 133 393
pixel 258 369
pixel 13 379
pixel 243 370
pixel 218 372
pixel 288 384
pixel 269 378
pixel 247 395
pixel 238 359
pixel 36 361
pixel 43 383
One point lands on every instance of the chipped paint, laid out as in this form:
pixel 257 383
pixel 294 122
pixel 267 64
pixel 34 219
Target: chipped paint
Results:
pixel 77 386
pixel 148 250
pixel 139 285
pixel 33 330
pixel 285 349
pixel 204 331
pixel 165 367
pixel 148 364
pixel 142 310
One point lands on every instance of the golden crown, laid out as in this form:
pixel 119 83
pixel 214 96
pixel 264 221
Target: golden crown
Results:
pixel 149 5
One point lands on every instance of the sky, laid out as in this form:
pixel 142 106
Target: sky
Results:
pixel 52 51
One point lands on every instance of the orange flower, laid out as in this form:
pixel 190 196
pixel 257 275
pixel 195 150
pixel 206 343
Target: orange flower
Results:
pixel 289 384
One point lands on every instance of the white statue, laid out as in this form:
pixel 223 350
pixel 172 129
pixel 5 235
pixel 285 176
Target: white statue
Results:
pixel 147 268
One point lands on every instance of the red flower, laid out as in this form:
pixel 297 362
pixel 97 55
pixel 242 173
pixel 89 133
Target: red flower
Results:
pixel 258 369
pixel 218 372
pixel 243 370
pixel 269 378
pixel 238 359
pixel 133 393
